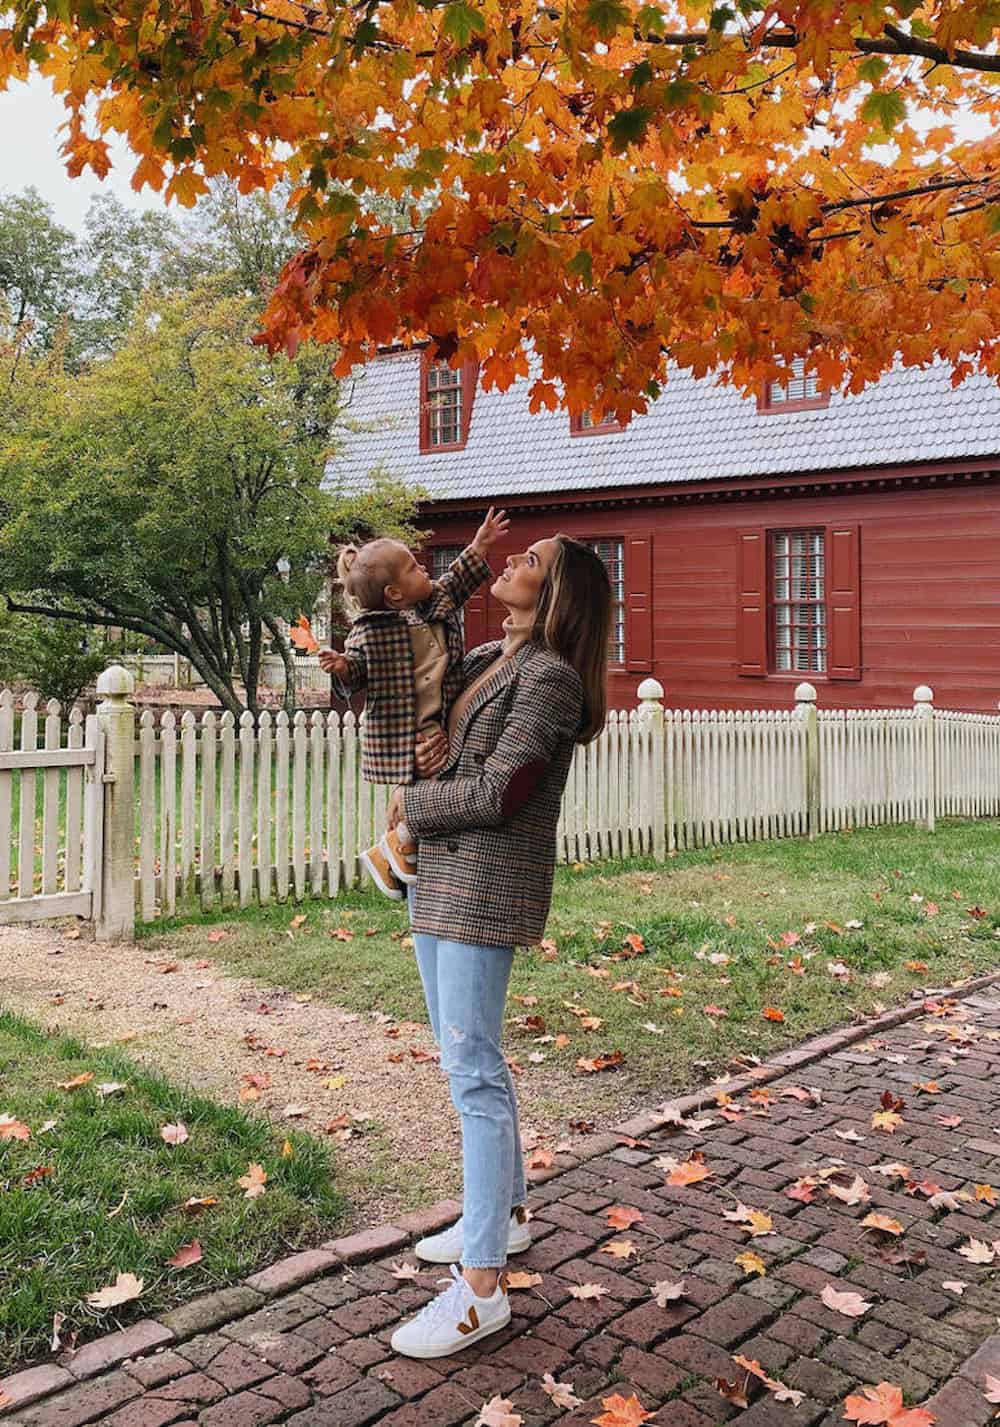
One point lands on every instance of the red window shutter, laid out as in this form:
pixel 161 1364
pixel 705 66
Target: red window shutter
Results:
pixel 638 604
pixel 475 619
pixel 751 631
pixel 843 601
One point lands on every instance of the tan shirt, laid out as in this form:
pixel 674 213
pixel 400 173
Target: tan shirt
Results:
pixel 514 637
pixel 430 660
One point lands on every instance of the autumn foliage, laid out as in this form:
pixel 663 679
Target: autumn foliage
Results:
pixel 610 183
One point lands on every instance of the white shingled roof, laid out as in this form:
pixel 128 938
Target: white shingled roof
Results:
pixel 695 431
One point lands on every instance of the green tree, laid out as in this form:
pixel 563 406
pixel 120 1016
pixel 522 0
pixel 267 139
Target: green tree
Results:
pixel 121 255
pixel 38 260
pixel 176 489
pixel 56 657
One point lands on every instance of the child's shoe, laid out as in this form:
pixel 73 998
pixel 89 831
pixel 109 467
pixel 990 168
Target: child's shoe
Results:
pixel 376 864
pixel 401 855
pixel 454 1320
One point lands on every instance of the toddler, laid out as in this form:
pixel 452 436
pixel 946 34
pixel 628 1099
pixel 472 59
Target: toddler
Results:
pixel 405 649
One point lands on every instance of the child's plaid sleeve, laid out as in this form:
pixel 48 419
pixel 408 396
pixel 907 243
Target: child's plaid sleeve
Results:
pixel 356 678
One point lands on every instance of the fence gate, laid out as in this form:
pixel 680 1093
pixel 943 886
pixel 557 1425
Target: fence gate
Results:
pixel 51 813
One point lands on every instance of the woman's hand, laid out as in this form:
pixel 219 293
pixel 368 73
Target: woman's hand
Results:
pixel 394 812
pixel 431 753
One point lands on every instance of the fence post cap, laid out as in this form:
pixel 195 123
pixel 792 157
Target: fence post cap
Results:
pixel 650 689
pixel 923 694
pixel 115 682
pixel 805 693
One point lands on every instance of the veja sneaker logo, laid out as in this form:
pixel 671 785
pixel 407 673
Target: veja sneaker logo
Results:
pixel 472 1324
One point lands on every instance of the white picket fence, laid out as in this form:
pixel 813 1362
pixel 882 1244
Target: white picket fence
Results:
pixel 207 810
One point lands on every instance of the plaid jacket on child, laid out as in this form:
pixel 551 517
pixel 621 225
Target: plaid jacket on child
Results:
pixel 380 657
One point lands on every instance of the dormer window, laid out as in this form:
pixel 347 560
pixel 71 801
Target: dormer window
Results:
pixel 446 395
pixel 802 393
pixel 586 424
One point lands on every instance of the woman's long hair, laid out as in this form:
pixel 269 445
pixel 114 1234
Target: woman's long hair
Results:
pixel 573 618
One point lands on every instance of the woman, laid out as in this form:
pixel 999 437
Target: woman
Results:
pixel 487 832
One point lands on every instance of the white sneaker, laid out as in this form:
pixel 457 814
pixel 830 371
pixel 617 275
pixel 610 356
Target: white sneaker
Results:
pixel 453 1320
pixel 447 1246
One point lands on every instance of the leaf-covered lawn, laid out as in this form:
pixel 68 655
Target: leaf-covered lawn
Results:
pixel 95 1190
pixel 679 967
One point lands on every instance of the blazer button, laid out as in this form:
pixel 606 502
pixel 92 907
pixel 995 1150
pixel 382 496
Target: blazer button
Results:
pixel 479 757
pixel 453 847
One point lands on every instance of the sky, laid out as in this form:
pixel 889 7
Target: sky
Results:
pixel 30 116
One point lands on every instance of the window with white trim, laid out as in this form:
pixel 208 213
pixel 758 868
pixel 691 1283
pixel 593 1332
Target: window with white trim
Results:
pixel 798 601
pixel 612 552
pixel 444 405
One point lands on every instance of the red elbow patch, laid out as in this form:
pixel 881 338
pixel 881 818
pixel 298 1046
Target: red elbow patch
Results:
pixel 521 785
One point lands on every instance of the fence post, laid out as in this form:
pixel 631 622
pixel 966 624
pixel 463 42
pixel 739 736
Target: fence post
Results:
pixel 923 698
pixel 650 694
pixel 805 707
pixel 116 718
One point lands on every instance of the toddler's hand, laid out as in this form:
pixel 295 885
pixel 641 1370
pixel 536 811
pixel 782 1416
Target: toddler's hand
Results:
pixel 333 663
pixel 493 528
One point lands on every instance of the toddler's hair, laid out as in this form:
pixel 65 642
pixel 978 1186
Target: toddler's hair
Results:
pixel 363 573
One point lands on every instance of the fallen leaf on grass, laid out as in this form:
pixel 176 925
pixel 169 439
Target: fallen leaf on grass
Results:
pixel 77 1082
pixel 852 1305
pixel 198 1206
pixel 216 937
pixel 621 1411
pixel 11 1129
pixel 186 1256
pixel 125 1288
pixel 561 1393
pixel 298 921
pixel 772 1013
pixel 174 1134
pixel 498 1412
pixel 716 1012
pixel 884 1405
pixel 609 1061
pixel 254 1181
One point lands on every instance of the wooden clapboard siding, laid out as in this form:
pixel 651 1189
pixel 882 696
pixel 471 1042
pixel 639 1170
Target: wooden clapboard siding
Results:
pixel 929 585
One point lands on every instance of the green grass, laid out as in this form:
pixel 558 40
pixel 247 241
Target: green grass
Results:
pixel 724 901
pixel 58 1239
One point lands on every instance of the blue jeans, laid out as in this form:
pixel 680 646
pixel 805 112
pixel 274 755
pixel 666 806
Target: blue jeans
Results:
pixel 466 989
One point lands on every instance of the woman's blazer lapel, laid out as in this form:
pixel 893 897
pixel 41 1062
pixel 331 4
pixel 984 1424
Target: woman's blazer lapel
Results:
pixel 493 686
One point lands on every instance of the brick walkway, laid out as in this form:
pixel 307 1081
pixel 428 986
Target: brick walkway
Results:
pixel 305 1343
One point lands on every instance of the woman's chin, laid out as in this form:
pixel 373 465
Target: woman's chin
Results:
pixel 499 589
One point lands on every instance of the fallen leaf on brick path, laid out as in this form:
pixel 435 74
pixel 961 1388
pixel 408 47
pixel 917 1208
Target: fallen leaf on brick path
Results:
pixel 895 1170
pixel 217 936
pixel 991 1388
pixel 794 1092
pixel 621 1411
pixel 498 1412
pixel 620 1249
pixel 884 1405
pixel 888 1121
pixel 986 1194
pixel 522 1278
pixel 851 1136
pixel 950 1122
pixel 582 1127
pixel 750 1262
pixel 978 1251
pixel 275 1052
pixel 198 1206
pixel 734 1392
pixel 77 1082
pixel 899 1255
pixel 586 1290
pixel 883 1223
pixel 852 1305
pixel 125 1288
pixel 927 1087
pixel 174 1134
pixel 955 1285
pixel 803 1189
pixel 405 1270
pixel 561 1393
pixel 753 1369
pixel 716 1012
pixel 11 1129
pixel 754 1221
pixel 632 1144
pixel 622 1216
pixel 541 1159
pixel 666 1292
pixel 926 1187
pixel 788 1394
pixel 692 1171
pixel 186 1256
pixel 771 1013
pixel 855 1192
pixel 253 1182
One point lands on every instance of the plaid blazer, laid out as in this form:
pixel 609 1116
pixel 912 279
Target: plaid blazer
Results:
pixel 487 824
pixel 380 656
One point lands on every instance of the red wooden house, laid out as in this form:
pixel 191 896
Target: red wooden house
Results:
pixel 850 541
